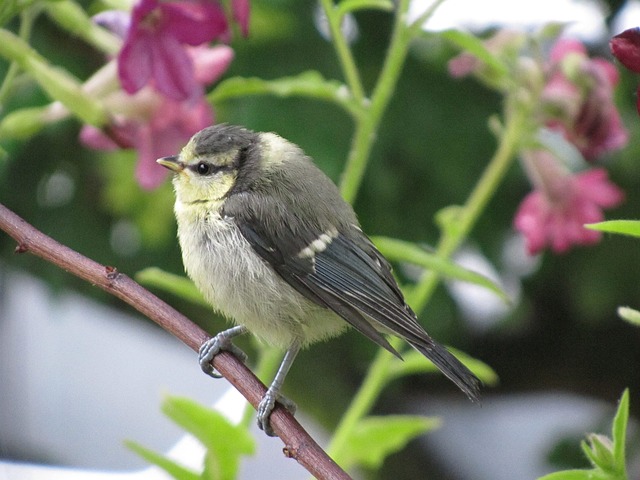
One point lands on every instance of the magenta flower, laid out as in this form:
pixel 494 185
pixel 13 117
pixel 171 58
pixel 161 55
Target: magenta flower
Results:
pixel 554 214
pixel 626 48
pixel 240 10
pixel 156 125
pixel 578 97
pixel 168 128
pixel 155 45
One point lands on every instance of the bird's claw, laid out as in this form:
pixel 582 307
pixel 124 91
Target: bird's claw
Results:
pixel 266 406
pixel 213 347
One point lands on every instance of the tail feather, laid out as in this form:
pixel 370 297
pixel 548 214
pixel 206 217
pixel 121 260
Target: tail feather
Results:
pixel 452 368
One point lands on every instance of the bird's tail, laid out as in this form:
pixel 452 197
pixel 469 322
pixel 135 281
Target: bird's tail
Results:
pixel 453 369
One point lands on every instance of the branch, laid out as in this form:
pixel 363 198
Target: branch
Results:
pixel 298 444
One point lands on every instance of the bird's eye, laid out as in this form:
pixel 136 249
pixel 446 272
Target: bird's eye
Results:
pixel 203 168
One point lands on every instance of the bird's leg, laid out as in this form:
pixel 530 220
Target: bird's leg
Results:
pixel 268 402
pixel 214 345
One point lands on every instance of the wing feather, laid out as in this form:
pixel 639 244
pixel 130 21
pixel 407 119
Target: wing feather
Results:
pixel 348 276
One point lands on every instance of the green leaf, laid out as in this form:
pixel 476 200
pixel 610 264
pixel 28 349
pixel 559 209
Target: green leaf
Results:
pixel 225 442
pixel 599 451
pixel 619 431
pixel 175 470
pixel 484 372
pixel 23 123
pixel 172 283
pixel 412 363
pixel 624 227
pixel 375 438
pixel 415 363
pixel 348 6
pixel 630 315
pixel 476 47
pixel 401 251
pixel 574 475
pixel 307 84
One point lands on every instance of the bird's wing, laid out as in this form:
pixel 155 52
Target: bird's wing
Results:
pixel 345 273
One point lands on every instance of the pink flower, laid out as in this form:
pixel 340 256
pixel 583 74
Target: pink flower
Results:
pixel 503 44
pixel 156 125
pixel 240 10
pixel 168 128
pixel 626 48
pixel 554 213
pixel 154 48
pixel 578 97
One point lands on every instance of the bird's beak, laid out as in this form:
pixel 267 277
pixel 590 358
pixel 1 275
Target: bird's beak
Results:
pixel 172 163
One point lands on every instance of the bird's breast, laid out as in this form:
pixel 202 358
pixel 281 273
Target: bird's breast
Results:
pixel 243 286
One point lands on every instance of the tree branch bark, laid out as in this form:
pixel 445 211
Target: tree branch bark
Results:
pixel 298 444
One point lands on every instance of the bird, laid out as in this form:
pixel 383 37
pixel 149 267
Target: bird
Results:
pixel 270 243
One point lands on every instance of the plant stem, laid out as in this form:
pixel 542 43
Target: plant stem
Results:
pixel 361 404
pixel 364 136
pixel 476 203
pixel 343 52
pixel 367 124
pixel 27 17
pixel 377 374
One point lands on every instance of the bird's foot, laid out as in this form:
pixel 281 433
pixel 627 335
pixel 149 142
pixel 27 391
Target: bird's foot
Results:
pixel 215 345
pixel 266 406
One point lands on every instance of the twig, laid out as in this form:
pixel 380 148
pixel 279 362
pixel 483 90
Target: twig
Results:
pixel 298 443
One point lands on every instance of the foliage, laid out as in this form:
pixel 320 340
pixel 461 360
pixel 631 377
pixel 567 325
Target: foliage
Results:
pixel 536 126
pixel 224 442
pixel 607 455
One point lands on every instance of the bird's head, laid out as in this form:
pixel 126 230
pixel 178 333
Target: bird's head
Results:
pixel 207 168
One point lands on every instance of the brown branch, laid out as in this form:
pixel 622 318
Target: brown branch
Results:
pixel 298 443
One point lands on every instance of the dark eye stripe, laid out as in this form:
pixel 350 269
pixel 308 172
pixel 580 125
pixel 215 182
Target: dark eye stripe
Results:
pixel 206 168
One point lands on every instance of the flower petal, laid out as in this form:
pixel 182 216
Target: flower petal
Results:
pixel 210 63
pixel 134 61
pixel 172 68
pixel 241 10
pixel 194 23
pixel 626 48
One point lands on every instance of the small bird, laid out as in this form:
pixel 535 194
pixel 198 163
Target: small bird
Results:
pixel 271 244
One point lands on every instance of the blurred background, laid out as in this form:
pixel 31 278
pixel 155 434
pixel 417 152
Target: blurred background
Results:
pixel 562 354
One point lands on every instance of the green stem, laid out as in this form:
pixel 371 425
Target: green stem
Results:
pixel 345 56
pixel 58 83
pixel 27 17
pixel 378 373
pixel 367 124
pixel 476 203
pixel 73 18
pixel 366 127
pixel 362 403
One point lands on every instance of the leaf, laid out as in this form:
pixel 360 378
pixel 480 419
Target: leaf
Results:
pixel 606 455
pixel 307 84
pixel 599 450
pixel 573 475
pixel 225 442
pixel 375 438
pixel 414 363
pixel 402 251
pixel 624 227
pixel 169 282
pixel 476 47
pixel 619 431
pixel 175 470
pixel 630 315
